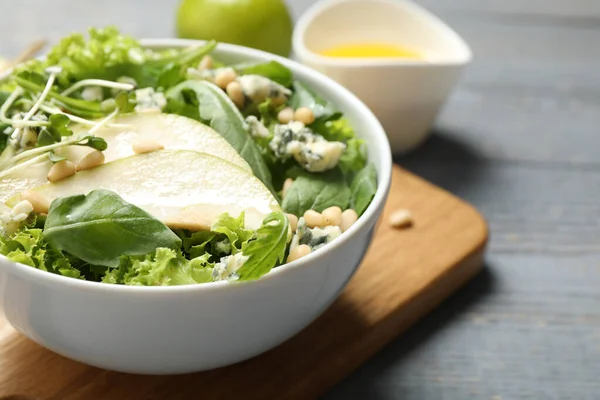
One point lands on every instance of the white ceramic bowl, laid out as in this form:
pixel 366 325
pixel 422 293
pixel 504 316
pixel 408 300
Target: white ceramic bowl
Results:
pixel 170 330
pixel 406 95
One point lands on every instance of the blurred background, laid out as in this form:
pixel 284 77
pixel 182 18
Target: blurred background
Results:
pixel 519 139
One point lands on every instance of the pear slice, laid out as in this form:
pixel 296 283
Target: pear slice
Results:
pixel 184 189
pixel 170 130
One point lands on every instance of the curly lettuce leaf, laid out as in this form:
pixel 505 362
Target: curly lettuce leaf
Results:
pixel 234 229
pixel 165 267
pixel 354 157
pixel 30 248
pixel 267 249
pixel 339 130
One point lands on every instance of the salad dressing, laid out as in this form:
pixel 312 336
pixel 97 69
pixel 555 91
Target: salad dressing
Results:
pixel 372 50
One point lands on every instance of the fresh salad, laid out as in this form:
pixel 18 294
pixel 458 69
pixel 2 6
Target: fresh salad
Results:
pixel 125 165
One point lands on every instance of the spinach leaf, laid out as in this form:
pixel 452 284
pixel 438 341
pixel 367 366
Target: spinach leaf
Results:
pixel 363 188
pixel 267 249
pixel 101 227
pixel 303 96
pixel 217 110
pixel 272 70
pixel 317 192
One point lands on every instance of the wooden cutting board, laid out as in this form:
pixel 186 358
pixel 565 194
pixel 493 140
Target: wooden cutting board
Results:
pixel 405 274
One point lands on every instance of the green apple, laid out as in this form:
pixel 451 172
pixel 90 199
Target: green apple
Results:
pixel 260 24
pixel 183 189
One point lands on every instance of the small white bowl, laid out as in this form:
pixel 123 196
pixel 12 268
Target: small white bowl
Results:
pixel 180 329
pixel 406 95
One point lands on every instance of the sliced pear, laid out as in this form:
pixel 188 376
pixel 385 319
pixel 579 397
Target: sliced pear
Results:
pixel 24 178
pixel 170 130
pixel 184 189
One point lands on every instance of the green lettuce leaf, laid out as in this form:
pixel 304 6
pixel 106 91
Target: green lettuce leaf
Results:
pixel 267 249
pixel 29 247
pixel 164 267
pixel 354 157
pixel 338 130
pixel 234 229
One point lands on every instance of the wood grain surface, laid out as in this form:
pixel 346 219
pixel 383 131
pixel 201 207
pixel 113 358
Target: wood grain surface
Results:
pixel 518 139
pixel 404 275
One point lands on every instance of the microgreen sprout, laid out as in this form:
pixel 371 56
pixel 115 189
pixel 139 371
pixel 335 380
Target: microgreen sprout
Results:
pixel 98 82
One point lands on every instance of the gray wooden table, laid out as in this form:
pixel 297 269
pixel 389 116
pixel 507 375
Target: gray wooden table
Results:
pixel 520 139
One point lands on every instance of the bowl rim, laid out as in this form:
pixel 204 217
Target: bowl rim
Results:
pixel 370 215
pixel 301 51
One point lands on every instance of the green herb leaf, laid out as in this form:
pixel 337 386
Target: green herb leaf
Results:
pixel 363 188
pixel 354 157
pixel 267 249
pixel 317 192
pixel 164 267
pixel 125 102
pixel 272 70
pixel 94 142
pixel 303 96
pixel 101 227
pixel 216 109
pixel 54 158
pixel 47 137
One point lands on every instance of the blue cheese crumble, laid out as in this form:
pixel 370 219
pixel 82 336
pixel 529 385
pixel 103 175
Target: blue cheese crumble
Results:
pixel 148 100
pixel 11 220
pixel 228 266
pixel 257 128
pixel 259 88
pixel 315 238
pixel 312 151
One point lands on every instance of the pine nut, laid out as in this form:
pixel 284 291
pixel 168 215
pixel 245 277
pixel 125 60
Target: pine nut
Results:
pixel 298 252
pixel 293 221
pixel 39 203
pixel 224 77
pixel 287 184
pixel 333 216
pixel 22 207
pixel 206 63
pixel 235 93
pixel 304 115
pixel 286 115
pixel 401 218
pixel 314 219
pixel 146 146
pixel 349 217
pixel 61 170
pixel 94 159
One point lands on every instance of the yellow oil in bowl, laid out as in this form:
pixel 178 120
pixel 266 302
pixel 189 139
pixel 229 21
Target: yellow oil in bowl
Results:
pixel 372 50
